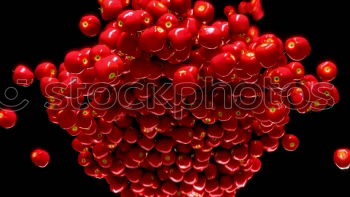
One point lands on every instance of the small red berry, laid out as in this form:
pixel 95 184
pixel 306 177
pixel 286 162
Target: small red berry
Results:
pixel 290 142
pixel 341 158
pixel 153 39
pixel 8 118
pixel 22 76
pixel 168 21
pixel 109 68
pixel 209 37
pixel 45 69
pixel 297 48
pixel 223 64
pixel 327 71
pixel 110 9
pixel 203 11
pixel 186 80
pixel 239 23
pixel 40 158
pixel 90 25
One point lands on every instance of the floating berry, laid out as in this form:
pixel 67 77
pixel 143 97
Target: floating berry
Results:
pixel 297 48
pixel 327 71
pixel 90 25
pixel 22 76
pixel 290 142
pixel 341 158
pixel 40 158
pixel 8 118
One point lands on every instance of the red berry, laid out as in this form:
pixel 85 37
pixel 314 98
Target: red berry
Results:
pixel 90 25
pixel 203 11
pixel 8 118
pixel 186 80
pixel 156 8
pixel 22 76
pixel 297 48
pixel 153 39
pixel 75 62
pixel 327 71
pixel 223 64
pixel 109 68
pixel 40 158
pixel 45 69
pixel 239 23
pixel 341 158
pixel 109 37
pixel 209 37
pixel 110 9
pixel 168 21
pixel 297 69
pixel 180 38
pixel 290 142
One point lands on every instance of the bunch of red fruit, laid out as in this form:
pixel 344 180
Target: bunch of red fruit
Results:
pixel 149 104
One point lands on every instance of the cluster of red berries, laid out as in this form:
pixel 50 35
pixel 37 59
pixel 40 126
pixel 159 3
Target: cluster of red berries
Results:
pixel 148 103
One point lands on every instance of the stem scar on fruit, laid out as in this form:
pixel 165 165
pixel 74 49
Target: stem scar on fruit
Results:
pixel 299 70
pixel 97 58
pixel 272 109
pixel 85 24
pixel 238 113
pixel 85 61
pixel 201 8
pixel 112 75
pixel 147 20
pixel 276 79
pixel 291 45
pixel 120 23
pixel 168 24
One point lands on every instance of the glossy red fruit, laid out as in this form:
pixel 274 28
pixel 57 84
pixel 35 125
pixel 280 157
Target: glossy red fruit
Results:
pixel 297 69
pixel 280 77
pixel 203 11
pixel 290 142
pixel 132 21
pixel 153 39
pixel 156 8
pixel 8 118
pixel 341 158
pixel 110 9
pixel 327 71
pixel 65 122
pixel 238 23
pixel 297 48
pixel 209 37
pixel 109 37
pixel 75 62
pixel 186 80
pixel 45 69
pixel 109 69
pixel 22 76
pixel 223 64
pixel 180 6
pixel 180 38
pixel 98 52
pixel 256 148
pixel 40 158
pixel 90 25
pixel 168 21
pixel 268 54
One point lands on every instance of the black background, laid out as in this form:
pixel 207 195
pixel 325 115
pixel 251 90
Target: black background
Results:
pixel 31 31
